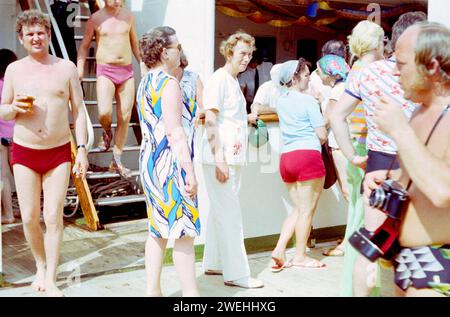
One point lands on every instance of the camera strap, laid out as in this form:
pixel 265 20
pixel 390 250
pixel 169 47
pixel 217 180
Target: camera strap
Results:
pixel 441 116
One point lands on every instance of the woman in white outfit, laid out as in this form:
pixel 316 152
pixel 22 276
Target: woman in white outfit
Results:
pixel 223 153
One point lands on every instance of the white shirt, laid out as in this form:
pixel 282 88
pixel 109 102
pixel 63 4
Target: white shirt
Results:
pixel 316 84
pixel 264 72
pixel 223 93
pixel 267 94
pixel 336 92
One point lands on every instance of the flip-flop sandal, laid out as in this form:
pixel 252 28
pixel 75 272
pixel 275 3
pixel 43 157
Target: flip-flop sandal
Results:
pixel 333 252
pixel 279 265
pixel 311 264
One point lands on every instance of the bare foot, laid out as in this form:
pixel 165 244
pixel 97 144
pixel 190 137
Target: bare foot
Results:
pixel 279 262
pixel 336 251
pixel 341 245
pixel 279 255
pixel 38 284
pixel 119 168
pixel 7 220
pixel 307 262
pixel 51 290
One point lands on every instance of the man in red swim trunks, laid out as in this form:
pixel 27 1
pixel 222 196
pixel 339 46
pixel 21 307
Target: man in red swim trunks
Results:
pixel 41 141
pixel 116 39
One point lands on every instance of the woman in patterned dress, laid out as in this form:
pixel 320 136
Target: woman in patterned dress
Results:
pixel 165 163
pixel 192 90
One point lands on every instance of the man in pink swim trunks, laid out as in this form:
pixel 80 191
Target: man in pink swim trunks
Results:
pixel 115 35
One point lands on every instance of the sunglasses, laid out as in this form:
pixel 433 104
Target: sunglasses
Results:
pixel 176 46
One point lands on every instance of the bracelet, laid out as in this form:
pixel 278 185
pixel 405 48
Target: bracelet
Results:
pixel 81 146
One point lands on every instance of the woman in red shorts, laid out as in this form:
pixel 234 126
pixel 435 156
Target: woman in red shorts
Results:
pixel 301 166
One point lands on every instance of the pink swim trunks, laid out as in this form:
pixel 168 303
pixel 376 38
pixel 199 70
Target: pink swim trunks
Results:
pixel 301 165
pixel 117 74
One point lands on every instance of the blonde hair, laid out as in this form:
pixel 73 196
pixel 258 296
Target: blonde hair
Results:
pixel 227 46
pixel 366 36
pixel 433 42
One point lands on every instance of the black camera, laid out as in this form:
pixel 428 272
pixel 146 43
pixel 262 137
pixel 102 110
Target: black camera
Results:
pixel 393 200
pixel 390 198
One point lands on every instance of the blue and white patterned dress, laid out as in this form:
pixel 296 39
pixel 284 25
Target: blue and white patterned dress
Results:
pixel 188 85
pixel 172 213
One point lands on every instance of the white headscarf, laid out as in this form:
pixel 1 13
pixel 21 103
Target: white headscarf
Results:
pixel 274 70
pixel 284 73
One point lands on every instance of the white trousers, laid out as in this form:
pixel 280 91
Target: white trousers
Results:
pixel 224 244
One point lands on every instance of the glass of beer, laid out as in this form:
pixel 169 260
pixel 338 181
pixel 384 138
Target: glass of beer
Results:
pixel 28 100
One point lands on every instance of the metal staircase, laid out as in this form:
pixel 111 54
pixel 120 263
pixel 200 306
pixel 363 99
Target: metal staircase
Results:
pixel 131 149
pixel 98 179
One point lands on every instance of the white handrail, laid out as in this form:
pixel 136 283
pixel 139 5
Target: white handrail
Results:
pixel 55 25
pixel 62 46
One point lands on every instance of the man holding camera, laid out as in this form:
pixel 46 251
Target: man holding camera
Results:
pixel 375 80
pixel 422 268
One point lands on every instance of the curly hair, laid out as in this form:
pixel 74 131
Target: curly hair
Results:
pixel 404 21
pixel 334 47
pixel 227 46
pixel 433 43
pixel 31 17
pixel 301 66
pixel 153 43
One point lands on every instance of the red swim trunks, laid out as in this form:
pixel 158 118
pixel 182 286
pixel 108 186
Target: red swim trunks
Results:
pixel 301 165
pixel 118 74
pixel 40 161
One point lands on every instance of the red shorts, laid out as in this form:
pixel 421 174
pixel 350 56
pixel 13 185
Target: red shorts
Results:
pixel 301 165
pixel 40 161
